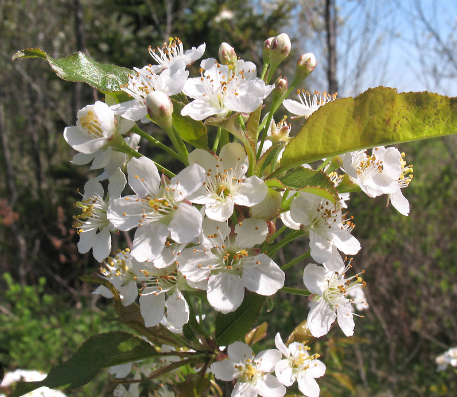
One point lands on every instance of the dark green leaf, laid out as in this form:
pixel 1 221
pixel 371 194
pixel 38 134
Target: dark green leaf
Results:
pixel 79 67
pixel 97 352
pixel 234 326
pixel 192 131
pixel 377 117
pixel 315 182
pixel 194 386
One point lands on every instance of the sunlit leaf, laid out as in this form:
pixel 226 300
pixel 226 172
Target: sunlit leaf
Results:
pixel 80 67
pixel 343 380
pixel 377 117
pixel 256 334
pixel 304 179
pixel 301 333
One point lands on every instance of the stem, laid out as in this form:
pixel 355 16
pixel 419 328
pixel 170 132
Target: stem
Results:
pixel 181 146
pixel 324 163
pixel 218 138
pixel 290 237
pixel 145 135
pixel 193 320
pixel 296 260
pixel 264 70
pixel 278 233
pixel 295 291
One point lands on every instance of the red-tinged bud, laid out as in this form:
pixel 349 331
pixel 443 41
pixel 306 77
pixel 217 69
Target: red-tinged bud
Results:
pixel 305 65
pixel 267 49
pixel 281 46
pixel 160 109
pixel 280 89
pixel 227 54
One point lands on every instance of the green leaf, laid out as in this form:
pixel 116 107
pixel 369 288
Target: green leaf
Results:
pixel 192 131
pixel 301 333
pixel 304 179
pixel 234 326
pixel 79 67
pixel 344 380
pixel 194 386
pixel 256 334
pixel 377 117
pixel 95 353
pixel 253 124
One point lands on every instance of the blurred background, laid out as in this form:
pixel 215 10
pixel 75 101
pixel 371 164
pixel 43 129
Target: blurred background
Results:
pixel 46 312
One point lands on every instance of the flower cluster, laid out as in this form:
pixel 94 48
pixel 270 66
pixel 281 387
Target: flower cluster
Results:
pixel 212 229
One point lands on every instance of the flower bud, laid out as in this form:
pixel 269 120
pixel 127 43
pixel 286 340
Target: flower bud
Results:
pixel 280 89
pixel 160 109
pixel 281 46
pixel 305 65
pixel 267 49
pixel 227 54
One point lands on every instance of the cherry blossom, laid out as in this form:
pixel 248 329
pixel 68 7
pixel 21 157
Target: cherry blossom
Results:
pixel 299 366
pixel 329 300
pixel 158 209
pixel 226 183
pixel 230 264
pixel 252 372
pixel 307 105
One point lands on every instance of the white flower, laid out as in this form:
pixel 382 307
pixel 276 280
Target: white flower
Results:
pixel 92 224
pixel 307 105
pixel 226 183
pixel 326 225
pixel 384 172
pixel 329 300
pixel 122 271
pixel 121 391
pixel 110 160
pixel 95 129
pixel 173 53
pixel 158 209
pixel 299 366
pixel 159 283
pixel 222 89
pixel 251 371
pixel 170 82
pixel 447 358
pixel 230 264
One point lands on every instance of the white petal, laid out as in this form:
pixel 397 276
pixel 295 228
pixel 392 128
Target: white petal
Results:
pixel 152 308
pixel 116 184
pixel 188 180
pixel 281 346
pixel 250 233
pixel 224 370
pixel 265 278
pixel 252 191
pixel 238 352
pixel 93 187
pixel 346 242
pixel 267 360
pixel 149 241
pixel 308 385
pixel 288 221
pixel 177 310
pixel 320 318
pixel 86 240
pixel 125 212
pixel 270 387
pixel 346 319
pixel 316 369
pixel 82 158
pixel 400 202
pixel 128 293
pixel 320 247
pixel 284 373
pixel 225 292
pixel 102 158
pixel 102 244
pixel 314 278
pixel 143 176
pixel 186 223
pixel 335 263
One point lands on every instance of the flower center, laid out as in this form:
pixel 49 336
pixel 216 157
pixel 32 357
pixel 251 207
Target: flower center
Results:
pixel 93 214
pixel 91 124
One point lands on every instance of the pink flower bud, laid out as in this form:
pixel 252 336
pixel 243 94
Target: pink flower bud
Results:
pixel 281 45
pixel 160 108
pixel 227 54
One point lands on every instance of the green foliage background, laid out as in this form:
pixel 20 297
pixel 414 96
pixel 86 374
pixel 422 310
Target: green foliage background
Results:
pixel 46 312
